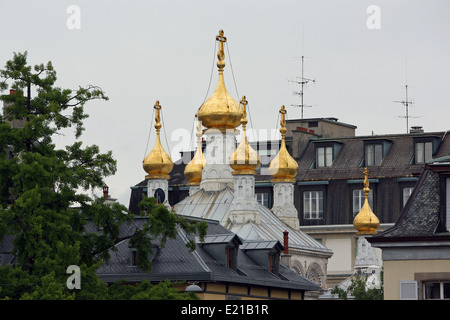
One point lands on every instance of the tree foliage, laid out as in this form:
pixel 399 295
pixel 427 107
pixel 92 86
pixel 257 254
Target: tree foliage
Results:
pixel 44 206
pixel 358 290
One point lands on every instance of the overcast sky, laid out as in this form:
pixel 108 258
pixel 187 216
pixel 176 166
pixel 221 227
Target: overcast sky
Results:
pixel 360 53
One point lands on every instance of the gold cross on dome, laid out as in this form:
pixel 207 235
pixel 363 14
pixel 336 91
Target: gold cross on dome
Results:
pixel 221 38
pixel 221 53
pixel 283 115
pixel 366 180
pixel 244 103
pixel 157 115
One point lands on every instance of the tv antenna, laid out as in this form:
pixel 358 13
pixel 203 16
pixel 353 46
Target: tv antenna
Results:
pixel 406 103
pixel 302 81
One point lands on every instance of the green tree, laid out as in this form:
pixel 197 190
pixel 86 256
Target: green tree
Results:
pixel 166 290
pixel 43 203
pixel 359 290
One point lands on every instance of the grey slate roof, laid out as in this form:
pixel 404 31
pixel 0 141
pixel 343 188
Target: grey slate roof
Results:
pixel 176 263
pixel 421 214
pixel 348 163
pixel 216 205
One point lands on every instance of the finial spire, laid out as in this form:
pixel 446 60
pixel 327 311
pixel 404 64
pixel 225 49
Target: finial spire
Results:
pixel 244 103
pixel 157 107
pixel 221 53
pixel 366 182
pixel 283 121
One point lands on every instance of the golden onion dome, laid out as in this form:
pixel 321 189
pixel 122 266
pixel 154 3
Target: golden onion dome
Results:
pixel 157 163
pixel 244 159
pixel 366 222
pixel 193 170
pixel 220 111
pixel 283 167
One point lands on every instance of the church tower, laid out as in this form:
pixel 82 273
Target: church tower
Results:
pixel 244 160
pixel 366 223
pixel 158 165
pixel 220 114
pixel 284 168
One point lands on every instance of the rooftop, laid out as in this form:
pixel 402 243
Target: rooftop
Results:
pixel 175 262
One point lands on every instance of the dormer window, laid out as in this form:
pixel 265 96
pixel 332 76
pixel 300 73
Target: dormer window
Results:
pixel 375 150
pixel 424 148
pixel 326 152
pixel 373 154
pixel 274 262
pixel 223 247
pixel 134 257
pixel 265 253
pixel 231 257
pixel 423 152
pixel 324 157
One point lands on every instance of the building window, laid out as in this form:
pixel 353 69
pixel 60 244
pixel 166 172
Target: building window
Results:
pixel 436 290
pixel 231 257
pixel 313 205
pixel 373 154
pixel 358 200
pixel 313 124
pixel 263 198
pixel 134 257
pixel 273 263
pixel 324 157
pixel 406 194
pixel 423 152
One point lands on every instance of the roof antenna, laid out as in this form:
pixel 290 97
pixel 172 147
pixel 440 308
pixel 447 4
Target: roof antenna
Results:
pixel 302 81
pixel 406 102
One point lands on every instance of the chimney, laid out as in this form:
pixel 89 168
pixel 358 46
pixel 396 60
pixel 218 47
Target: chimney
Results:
pixel 12 91
pixel 416 129
pixel 105 191
pixel 286 242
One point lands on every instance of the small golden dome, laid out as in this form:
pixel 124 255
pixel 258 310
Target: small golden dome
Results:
pixel 193 170
pixel 244 160
pixel 366 222
pixel 220 111
pixel 283 167
pixel 157 163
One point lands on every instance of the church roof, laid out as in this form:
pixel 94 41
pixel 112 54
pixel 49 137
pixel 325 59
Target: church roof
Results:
pixel 216 205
